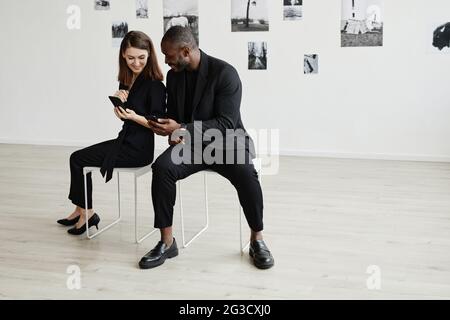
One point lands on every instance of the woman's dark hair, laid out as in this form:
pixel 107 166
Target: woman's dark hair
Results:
pixel 139 40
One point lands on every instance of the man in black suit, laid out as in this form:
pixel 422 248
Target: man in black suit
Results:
pixel 204 96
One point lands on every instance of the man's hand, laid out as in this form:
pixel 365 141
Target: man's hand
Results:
pixel 176 141
pixel 163 127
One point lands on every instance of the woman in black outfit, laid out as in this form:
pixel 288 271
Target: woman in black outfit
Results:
pixel 143 94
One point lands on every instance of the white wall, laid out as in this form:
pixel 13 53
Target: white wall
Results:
pixel 389 102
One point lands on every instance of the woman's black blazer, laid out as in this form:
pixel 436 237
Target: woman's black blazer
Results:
pixel 147 96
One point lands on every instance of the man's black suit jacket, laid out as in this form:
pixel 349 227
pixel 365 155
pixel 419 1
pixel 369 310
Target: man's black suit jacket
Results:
pixel 216 103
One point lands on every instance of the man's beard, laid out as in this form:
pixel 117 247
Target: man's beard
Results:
pixel 182 65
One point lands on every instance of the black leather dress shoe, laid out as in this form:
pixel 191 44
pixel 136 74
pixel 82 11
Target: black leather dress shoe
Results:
pixel 93 221
pixel 158 255
pixel 68 222
pixel 262 258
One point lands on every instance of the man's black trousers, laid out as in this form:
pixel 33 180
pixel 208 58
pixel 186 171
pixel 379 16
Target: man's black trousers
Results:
pixel 242 176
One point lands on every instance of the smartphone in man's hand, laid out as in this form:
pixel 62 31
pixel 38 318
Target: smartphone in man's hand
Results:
pixel 155 118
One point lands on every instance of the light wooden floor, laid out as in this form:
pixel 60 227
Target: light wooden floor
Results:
pixel 326 222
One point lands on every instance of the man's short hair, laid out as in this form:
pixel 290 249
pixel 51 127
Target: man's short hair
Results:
pixel 181 36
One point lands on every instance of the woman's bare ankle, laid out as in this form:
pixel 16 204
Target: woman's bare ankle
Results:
pixel 73 215
pixel 90 213
pixel 82 220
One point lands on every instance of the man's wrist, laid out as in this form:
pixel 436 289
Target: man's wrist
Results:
pixel 178 127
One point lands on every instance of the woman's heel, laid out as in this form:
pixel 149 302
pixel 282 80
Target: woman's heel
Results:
pixel 93 221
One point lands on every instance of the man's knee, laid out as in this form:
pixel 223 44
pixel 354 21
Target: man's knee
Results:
pixel 246 171
pixel 163 167
pixel 243 176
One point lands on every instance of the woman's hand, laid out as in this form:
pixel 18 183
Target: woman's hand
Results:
pixel 122 95
pixel 126 114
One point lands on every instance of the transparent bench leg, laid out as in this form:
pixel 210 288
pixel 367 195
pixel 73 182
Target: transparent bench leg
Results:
pixel 86 205
pixel 135 217
pixel 185 244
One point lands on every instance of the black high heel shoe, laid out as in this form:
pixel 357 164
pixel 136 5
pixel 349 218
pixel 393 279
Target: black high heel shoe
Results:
pixel 93 221
pixel 67 222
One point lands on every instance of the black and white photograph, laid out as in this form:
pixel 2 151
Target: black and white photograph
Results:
pixel 142 9
pixel 249 15
pixel 311 64
pixel 181 13
pixel 101 4
pixel 362 23
pixel 257 55
pixel 214 187
pixel 292 9
pixel 119 30
pixel 438 37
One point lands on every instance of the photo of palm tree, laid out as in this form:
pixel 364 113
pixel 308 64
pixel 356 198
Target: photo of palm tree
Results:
pixel 249 15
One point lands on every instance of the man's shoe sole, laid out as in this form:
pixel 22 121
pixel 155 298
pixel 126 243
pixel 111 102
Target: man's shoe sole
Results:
pixel 158 262
pixel 260 266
